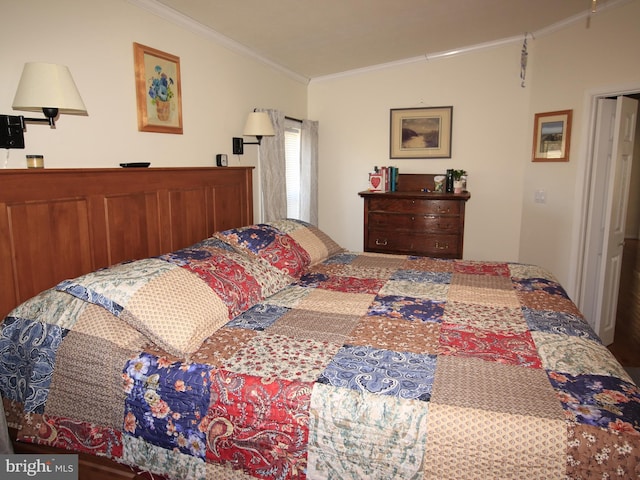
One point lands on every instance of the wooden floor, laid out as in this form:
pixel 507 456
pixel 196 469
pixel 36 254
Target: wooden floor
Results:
pixel 626 343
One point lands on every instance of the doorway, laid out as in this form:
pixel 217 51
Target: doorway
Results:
pixel 626 342
pixel 595 290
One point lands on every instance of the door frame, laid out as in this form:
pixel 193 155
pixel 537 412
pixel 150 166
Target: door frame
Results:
pixel 583 189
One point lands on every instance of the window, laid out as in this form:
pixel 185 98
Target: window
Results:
pixel 292 130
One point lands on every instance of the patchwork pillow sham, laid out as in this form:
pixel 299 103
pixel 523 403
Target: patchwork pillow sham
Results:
pixel 181 298
pixel 314 241
pixel 269 244
pixel 239 280
pixel 288 244
pixel 173 307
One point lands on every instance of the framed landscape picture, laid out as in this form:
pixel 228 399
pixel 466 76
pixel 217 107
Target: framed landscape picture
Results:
pixel 552 136
pixel 421 132
pixel 158 90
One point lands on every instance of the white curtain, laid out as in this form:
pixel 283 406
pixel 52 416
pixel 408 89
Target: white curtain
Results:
pixel 309 171
pixel 272 171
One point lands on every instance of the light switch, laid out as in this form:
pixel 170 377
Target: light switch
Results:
pixel 540 196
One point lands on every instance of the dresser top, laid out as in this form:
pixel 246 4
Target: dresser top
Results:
pixel 418 185
pixel 419 195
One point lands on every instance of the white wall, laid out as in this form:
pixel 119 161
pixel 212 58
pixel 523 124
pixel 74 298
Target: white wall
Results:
pixel 490 139
pixel 492 134
pixel 95 40
pixel 568 66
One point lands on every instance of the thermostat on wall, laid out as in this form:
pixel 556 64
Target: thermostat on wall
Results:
pixel 221 160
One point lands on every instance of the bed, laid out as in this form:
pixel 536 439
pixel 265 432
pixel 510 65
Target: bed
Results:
pixel 268 351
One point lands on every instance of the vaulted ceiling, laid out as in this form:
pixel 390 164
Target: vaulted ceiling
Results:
pixel 313 38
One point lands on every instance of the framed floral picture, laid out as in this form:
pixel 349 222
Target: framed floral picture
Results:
pixel 158 90
pixel 552 136
pixel 421 132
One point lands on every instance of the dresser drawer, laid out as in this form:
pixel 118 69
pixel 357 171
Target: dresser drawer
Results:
pixel 414 222
pixel 408 205
pixel 447 246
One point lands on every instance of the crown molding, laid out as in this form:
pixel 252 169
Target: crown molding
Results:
pixel 481 46
pixel 419 59
pixel 189 23
pixel 192 25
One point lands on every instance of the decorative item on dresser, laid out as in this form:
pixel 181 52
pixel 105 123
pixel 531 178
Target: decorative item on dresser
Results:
pixel 415 219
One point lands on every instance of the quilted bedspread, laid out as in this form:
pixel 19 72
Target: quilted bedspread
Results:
pixel 269 352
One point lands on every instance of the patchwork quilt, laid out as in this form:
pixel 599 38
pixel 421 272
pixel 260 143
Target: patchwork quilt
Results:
pixel 270 352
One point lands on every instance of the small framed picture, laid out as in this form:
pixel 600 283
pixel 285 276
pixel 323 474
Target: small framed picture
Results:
pixel 552 136
pixel 421 132
pixel 158 90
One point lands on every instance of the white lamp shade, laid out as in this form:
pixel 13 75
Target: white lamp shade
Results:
pixel 258 124
pixel 46 85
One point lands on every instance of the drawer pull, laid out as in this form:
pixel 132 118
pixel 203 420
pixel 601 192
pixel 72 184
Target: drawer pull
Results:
pixel 441 247
pixel 378 242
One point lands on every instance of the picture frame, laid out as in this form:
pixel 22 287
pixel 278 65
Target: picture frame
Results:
pixel 158 90
pixel 421 132
pixel 552 136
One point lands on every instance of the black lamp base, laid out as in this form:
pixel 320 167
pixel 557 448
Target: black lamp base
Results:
pixel 11 131
pixel 238 146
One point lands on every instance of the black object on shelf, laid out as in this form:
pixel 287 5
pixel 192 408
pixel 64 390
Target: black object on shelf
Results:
pixel 449 184
pixel 135 165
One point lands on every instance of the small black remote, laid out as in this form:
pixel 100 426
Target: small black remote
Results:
pixel 135 164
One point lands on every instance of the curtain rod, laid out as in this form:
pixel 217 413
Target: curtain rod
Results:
pixel 294 119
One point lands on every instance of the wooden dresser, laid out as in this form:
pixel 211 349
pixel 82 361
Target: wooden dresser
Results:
pixel 410 221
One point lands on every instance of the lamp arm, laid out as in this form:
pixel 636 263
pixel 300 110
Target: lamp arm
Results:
pixel 49 112
pixel 259 137
pixel 50 120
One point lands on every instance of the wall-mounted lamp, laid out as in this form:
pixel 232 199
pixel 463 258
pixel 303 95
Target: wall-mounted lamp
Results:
pixel 43 87
pixel 258 125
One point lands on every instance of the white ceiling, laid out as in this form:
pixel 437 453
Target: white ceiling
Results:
pixel 313 38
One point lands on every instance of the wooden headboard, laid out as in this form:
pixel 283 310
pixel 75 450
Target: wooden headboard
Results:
pixel 62 223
